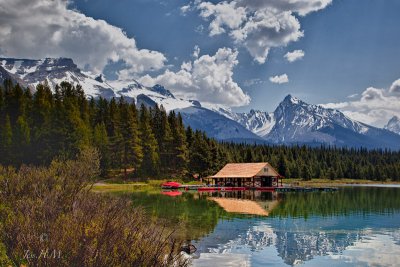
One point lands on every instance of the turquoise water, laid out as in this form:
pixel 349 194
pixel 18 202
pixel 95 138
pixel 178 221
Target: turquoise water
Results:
pixel 355 226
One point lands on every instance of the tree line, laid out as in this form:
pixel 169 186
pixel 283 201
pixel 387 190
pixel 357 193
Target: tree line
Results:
pixel 149 142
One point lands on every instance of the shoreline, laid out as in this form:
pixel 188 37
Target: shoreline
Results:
pixel 339 183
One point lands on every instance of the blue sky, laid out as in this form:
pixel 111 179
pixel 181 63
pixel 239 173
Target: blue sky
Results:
pixel 351 48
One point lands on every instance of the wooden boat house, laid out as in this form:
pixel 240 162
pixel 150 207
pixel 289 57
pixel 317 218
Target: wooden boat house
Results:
pixel 250 175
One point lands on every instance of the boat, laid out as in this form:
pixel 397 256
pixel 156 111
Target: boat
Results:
pixel 171 185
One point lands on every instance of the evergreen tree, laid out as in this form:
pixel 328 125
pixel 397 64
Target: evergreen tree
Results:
pixel 132 151
pixel 22 139
pixel 6 137
pixel 149 145
pixel 101 142
pixel 179 145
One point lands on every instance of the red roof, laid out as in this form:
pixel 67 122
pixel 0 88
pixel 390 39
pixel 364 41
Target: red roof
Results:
pixel 242 170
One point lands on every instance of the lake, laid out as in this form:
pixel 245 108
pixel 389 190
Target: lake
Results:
pixel 354 226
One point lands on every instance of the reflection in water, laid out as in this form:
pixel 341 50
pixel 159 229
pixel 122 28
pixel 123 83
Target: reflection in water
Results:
pixel 245 202
pixel 353 226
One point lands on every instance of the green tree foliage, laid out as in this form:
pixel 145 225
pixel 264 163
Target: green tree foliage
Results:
pixel 132 154
pixel 36 128
pixel 150 162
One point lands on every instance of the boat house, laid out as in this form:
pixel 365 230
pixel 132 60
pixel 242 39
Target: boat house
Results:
pixel 250 175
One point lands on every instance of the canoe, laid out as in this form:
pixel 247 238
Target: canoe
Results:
pixel 170 185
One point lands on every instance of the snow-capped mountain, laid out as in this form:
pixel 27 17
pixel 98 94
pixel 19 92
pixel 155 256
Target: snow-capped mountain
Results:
pixel 30 73
pixel 393 125
pixel 295 121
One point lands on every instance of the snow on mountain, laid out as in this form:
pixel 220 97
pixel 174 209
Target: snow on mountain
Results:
pixel 293 121
pixel 217 125
pixel 298 121
pixel 32 72
pixel 393 125
pixel 256 121
pixel 259 122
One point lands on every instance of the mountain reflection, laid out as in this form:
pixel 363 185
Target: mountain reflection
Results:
pixel 308 226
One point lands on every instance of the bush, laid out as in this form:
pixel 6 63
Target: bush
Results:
pixel 51 218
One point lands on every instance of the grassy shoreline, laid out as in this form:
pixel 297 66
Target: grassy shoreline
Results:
pixel 154 185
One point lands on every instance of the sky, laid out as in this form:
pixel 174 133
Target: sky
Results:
pixel 243 54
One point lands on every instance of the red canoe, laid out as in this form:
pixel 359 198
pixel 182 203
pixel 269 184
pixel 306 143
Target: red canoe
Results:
pixel 171 185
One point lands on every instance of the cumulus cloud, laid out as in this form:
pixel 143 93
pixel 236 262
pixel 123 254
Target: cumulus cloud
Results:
pixel 301 7
pixel 46 28
pixel 224 14
pixel 374 106
pixel 279 79
pixel 258 25
pixel 395 88
pixel 208 79
pixel 294 55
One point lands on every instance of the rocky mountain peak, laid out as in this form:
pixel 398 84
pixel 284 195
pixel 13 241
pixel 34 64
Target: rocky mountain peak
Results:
pixel 290 100
pixel 161 90
pixel 393 125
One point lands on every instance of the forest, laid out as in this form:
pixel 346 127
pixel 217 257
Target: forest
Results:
pixel 147 142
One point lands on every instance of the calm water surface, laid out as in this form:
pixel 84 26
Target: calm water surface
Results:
pixel 355 226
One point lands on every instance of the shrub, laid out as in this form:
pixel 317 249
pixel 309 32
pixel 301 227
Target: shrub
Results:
pixel 51 218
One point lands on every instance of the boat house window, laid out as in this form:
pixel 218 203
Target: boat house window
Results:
pixel 265 169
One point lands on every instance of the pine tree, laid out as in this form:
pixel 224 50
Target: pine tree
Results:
pixel 6 137
pixel 101 142
pixel 163 135
pixel 180 149
pixel 115 135
pixel 21 140
pixel 149 144
pixel 132 151
pixel 282 166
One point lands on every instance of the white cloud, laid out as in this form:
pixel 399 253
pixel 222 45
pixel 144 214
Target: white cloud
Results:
pixel 46 28
pixel 279 79
pixel 395 87
pixel 208 79
pixel 301 7
pixel 185 9
pixel 196 51
pixel 258 25
pixel 374 106
pixel 294 55
pixel 265 30
pixel 352 96
pixel 224 15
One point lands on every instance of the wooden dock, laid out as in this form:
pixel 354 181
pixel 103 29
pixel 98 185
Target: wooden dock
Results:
pixel 202 188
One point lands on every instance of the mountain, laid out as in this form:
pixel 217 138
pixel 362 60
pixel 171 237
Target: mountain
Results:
pixel 393 125
pixel 296 122
pixel 292 122
pixel 30 73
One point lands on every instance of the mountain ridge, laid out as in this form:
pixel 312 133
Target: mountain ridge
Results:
pixel 292 122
